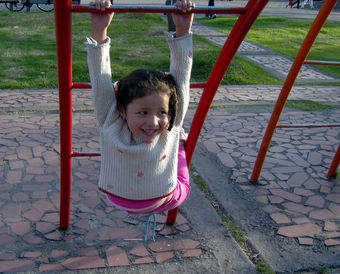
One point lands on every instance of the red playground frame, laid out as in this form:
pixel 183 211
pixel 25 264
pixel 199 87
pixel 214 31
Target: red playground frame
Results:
pixel 63 20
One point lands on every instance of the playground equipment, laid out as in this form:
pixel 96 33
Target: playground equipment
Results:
pixel 287 86
pixel 63 18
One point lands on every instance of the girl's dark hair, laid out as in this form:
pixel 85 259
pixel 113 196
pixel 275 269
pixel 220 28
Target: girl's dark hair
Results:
pixel 141 82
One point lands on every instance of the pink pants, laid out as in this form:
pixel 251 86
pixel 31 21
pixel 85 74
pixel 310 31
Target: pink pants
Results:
pixel 180 193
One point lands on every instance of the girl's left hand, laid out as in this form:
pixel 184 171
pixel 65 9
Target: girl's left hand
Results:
pixel 183 21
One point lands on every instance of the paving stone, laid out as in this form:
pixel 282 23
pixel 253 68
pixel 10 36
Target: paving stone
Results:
pixel 262 199
pixel 116 256
pixel 275 199
pixel 185 244
pixel 16 266
pixel 20 228
pixel 145 260
pixel 54 236
pixel 322 214
pixel 334 197
pixel 286 195
pixel 299 230
pixel 280 218
pixel 11 209
pixel 50 267
pixel 183 228
pixel 192 253
pixel 303 191
pixel 330 235
pixel 161 246
pixel 297 179
pixel 6 239
pixel 301 220
pixel 33 215
pixel 312 184
pixel 305 241
pixel 332 242
pixel 33 239
pixel 31 254
pixel 330 226
pixel 88 251
pixel 44 227
pixel 316 201
pixel 43 205
pixel 271 209
pixel 297 207
pixel 315 158
pixel 140 251
pixel 77 263
pixel 59 253
pixel 20 197
pixel 7 256
pixel 164 256
pixel 335 209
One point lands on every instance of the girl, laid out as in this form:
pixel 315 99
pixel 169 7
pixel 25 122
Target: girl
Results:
pixel 143 165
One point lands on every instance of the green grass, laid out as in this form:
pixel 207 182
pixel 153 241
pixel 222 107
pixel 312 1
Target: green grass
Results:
pixel 308 105
pixel 28 51
pixel 286 36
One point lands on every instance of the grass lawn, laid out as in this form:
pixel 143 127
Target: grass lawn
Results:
pixel 286 36
pixel 28 50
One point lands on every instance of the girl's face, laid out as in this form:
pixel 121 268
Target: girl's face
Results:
pixel 148 116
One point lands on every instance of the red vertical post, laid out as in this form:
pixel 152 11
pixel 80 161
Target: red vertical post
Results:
pixel 239 31
pixel 317 25
pixel 235 38
pixel 63 23
pixel 335 163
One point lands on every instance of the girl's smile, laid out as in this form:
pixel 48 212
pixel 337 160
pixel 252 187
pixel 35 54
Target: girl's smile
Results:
pixel 147 116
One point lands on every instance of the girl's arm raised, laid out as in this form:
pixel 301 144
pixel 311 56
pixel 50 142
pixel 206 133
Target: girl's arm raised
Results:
pixel 181 56
pixel 98 59
pixel 100 21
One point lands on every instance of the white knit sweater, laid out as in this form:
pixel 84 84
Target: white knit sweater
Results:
pixel 130 168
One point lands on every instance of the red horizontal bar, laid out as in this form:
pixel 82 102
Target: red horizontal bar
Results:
pixel 318 62
pixel 158 9
pixel 307 125
pixel 87 85
pixel 81 85
pixel 85 154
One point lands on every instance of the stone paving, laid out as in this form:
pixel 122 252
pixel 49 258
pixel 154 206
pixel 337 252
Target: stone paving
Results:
pixel 99 235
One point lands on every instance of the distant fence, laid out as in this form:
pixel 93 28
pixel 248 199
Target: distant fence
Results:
pixel 19 5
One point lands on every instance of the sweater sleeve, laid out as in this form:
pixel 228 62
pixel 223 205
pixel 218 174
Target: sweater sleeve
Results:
pixel 103 96
pixel 180 68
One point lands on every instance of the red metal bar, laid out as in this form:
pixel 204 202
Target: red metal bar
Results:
pixel 62 9
pixel 85 154
pixel 335 163
pixel 235 38
pixel 172 216
pixel 288 84
pixel 158 9
pixel 318 62
pixel 307 125
pixel 88 86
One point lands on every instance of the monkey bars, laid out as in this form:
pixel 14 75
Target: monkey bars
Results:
pixel 300 59
pixel 63 20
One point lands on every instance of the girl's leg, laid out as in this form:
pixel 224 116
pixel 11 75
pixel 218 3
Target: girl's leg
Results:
pixel 182 190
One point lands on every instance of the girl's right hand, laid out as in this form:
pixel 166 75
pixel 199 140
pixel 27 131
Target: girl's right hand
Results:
pixel 100 20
